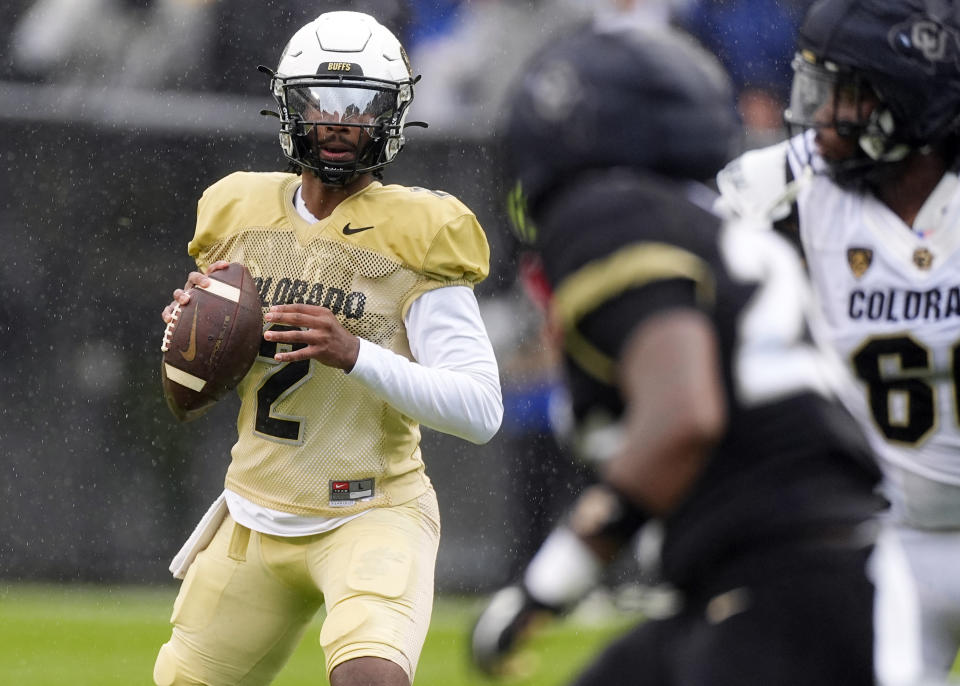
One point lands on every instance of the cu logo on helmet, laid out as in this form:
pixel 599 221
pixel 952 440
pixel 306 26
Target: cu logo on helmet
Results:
pixel 930 39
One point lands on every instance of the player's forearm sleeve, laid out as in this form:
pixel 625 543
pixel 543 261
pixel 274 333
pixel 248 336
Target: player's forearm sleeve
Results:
pixel 454 386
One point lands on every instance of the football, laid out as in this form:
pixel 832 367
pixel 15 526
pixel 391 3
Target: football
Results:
pixel 211 342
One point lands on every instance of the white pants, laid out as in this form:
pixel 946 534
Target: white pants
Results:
pixel 917 577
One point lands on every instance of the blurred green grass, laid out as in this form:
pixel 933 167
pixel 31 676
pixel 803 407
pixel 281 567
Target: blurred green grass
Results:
pixel 52 635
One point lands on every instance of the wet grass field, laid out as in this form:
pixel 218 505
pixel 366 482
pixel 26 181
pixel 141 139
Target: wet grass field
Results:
pixel 52 635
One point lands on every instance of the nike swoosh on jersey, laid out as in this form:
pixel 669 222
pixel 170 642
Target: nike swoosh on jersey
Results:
pixel 191 350
pixel 347 231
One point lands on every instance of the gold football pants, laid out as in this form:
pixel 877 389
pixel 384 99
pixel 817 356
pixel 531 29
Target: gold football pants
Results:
pixel 248 598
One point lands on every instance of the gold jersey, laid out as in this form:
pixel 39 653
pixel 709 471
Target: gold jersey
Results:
pixel 312 440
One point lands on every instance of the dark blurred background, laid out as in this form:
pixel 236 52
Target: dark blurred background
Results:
pixel 114 116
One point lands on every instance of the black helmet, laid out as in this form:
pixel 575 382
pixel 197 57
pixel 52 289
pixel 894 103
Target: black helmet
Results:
pixel 906 53
pixel 650 100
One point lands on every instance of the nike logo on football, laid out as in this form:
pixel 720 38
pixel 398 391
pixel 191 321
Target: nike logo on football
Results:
pixel 191 350
pixel 347 231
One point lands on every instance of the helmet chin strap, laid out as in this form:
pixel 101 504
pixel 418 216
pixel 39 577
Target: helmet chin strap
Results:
pixel 337 179
pixel 333 176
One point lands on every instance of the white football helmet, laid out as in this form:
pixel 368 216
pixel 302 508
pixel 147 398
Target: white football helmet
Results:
pixel 343 69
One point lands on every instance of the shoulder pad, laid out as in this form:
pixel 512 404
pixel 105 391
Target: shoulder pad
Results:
pixel 757 184
pixel 239 200
pixel 435 233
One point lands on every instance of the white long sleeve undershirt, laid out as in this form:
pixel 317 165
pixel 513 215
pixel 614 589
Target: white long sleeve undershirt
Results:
pixel 454 386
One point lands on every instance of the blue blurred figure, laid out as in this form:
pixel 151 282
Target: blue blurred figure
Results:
pixel 755 41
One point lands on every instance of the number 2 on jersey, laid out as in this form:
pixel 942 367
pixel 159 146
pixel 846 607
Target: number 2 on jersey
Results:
pixel 276 385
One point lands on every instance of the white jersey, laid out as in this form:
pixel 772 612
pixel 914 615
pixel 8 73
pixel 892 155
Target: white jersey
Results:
pixel 890 296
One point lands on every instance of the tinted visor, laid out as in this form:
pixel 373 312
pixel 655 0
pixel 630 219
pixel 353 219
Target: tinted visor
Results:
pixel 823 95
pixel 813 88
pixel 353 105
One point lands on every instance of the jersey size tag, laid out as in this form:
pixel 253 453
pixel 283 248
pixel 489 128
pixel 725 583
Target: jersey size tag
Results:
pixel 344 493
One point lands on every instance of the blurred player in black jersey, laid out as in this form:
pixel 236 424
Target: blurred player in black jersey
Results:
pixel 687 339
pixel 868 188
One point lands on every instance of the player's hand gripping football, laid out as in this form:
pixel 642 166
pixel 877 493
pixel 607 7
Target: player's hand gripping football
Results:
pixel 319 333
pixel 510 617
pixel 211 339
pixel 181 296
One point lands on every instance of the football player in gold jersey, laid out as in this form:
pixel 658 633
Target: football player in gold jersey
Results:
pixel 371 329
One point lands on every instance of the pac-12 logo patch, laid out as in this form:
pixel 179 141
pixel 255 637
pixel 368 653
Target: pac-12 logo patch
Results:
pixel 859 260
pixel 923 258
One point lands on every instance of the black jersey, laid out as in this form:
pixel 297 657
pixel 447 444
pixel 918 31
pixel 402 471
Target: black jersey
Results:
pixel 792 465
